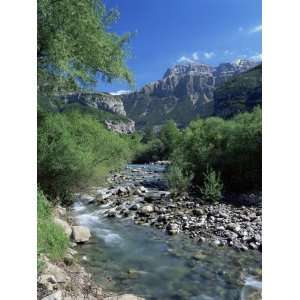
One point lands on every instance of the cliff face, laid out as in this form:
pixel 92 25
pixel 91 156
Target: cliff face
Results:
pixel 101 101
pixel 184 92
pixel 239 94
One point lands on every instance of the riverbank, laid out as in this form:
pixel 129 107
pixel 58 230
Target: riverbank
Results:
pixel 141 195
pixel 157 264
pixel 68 279
pixel 126 259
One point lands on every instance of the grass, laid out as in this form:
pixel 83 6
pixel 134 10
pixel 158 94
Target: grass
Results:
pixel 51 239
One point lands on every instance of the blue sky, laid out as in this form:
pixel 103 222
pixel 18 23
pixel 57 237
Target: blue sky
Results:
pixel 172 31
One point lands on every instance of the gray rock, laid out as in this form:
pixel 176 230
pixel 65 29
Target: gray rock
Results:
pixel 64 225
pixel 80 234
pixel 48 281
pixel 112 214
pixel 59 274
pixel 134 207
pixel 121 126
pixel 147 209
pixel 172 228
pixel 55 296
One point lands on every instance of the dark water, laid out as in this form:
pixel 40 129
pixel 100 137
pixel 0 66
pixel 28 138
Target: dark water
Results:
pixel 145 261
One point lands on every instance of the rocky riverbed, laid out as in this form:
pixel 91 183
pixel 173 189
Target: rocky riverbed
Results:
pixel 140 193
pixel 185 249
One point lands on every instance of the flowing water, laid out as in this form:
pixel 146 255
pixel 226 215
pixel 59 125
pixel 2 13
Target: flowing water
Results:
pixel 129 258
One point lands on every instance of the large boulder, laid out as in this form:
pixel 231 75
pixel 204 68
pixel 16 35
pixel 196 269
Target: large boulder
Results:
pixel 80 234
pixel 64 225
pixel 124 297
pixel 58 273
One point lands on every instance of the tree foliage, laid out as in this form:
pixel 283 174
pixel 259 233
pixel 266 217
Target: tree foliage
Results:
pixel 230 147
pixel 74 45
pixel 72 147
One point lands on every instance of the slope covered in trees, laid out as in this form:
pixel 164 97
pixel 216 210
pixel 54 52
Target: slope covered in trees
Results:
pixel 239 94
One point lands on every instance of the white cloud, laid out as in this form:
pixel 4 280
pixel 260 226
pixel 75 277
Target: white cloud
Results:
pixel 256 29
pixel 121 92
pixel 195 56
pixel 240 29
pixel 208 55
pixel 257 57
pixel 184 59
pixel 228 52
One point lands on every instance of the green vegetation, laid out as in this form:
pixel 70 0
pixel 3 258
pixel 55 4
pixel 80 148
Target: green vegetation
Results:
pixel 213 155
pixel 74 44
pixel 212 186
pixel 178 180
pixel 52 240
pixel 230 147
pixel 158 146
pixel 74 148
pixel 239 94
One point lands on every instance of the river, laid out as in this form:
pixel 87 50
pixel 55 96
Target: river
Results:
pixel 124 257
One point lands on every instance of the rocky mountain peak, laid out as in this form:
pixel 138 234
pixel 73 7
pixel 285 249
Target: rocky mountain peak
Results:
pixel 184 92
pixel 188 69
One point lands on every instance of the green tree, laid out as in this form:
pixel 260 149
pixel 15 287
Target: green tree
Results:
pixel 74 45
pixel 170 137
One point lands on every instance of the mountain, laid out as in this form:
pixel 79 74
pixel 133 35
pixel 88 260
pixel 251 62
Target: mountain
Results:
pixel 240 93
pixel 106 108
pixel 184 92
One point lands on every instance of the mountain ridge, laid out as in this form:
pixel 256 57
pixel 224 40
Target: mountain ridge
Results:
pixel 184 92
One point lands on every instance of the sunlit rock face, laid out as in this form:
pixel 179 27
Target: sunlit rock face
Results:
pixel 185 92
pixel 102 101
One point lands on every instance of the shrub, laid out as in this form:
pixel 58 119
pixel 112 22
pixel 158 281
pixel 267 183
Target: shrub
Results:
pixel 232 148
pixel 51 239
pixel 212 186
pixel 73 148
pixel 177 180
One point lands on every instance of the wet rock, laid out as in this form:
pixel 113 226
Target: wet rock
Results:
pixel 112 214
pixel 80 234
pixel 152 196
pixel 253 246
pixel 198 212
pixel 202 239
pixel 135 206
pixel 172 228
pixel 199 256
pixel 122 191
pixel 64 225
pixel 217 243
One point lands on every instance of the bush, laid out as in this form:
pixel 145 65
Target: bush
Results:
pixel 212 186
pixel 177 180
pixel 158 146
pixel 73 148
pixel 51 239
pixel 232 148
